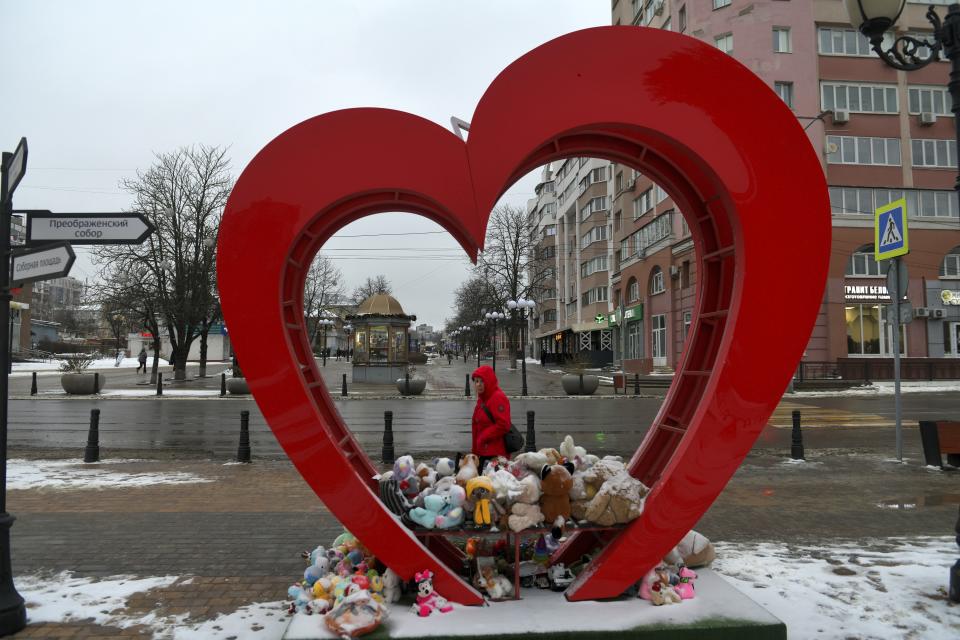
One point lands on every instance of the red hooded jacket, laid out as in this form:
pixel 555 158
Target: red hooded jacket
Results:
pixel 488 435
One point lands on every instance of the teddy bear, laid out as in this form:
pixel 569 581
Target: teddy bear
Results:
pixel 587 483
pixel 441 509
pixel 444 467
pixel 572 453
pixel 619 500
pixel 405 473
pixel 525 512
pixel 555 483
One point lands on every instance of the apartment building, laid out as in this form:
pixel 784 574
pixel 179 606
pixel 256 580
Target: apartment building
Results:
pixel 881 135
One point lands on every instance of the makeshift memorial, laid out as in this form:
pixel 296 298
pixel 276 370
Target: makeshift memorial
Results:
pixel 357 614
pixel 661 592
pixel 428 600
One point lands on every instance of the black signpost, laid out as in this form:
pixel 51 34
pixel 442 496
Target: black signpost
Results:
pixel 13 614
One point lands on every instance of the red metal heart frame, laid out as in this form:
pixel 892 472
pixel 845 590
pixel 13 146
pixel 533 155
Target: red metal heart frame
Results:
pixel 747 187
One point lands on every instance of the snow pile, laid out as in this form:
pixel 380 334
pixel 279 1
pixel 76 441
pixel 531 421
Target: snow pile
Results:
pixel 886 388
pixel 71 474
pixel 872 589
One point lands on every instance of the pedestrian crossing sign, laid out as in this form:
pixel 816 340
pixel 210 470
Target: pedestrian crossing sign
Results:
pixel 890 230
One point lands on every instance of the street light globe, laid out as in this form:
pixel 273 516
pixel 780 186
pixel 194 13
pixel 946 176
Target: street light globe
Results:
pixel 512 304
pixel 874 17
pixel 487 315
pixel 531 304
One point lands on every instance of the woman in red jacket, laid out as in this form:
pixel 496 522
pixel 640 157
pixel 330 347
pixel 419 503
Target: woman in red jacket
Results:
pixel 491 416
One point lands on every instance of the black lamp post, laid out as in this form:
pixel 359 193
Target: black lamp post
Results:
pixel 324 323
pixel 477 328
pixel 493 316
pixel 520 307
pixel 348 331
pixel 875 17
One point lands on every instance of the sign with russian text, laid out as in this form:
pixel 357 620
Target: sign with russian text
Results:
pixel 87 228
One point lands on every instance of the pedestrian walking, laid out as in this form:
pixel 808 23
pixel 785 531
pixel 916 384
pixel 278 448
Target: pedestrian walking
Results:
pixel 491 416
pixel 142 359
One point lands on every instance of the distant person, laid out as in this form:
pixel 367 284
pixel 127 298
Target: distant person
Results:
pixel 142 359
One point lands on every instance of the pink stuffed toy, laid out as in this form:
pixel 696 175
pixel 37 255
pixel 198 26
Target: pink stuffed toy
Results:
pixel 428 600
pixel 685 588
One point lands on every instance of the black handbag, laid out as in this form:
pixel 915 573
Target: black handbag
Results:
pixel 513 440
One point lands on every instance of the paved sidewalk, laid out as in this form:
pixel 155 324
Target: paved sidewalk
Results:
pixel 238 536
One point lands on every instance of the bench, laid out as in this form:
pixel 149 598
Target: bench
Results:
pixel 937 438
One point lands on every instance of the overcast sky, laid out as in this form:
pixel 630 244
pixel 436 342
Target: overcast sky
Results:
pixel 98 86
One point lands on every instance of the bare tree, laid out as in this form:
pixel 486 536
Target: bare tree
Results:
pixel 470 301
pixel 183 194
pixel 510 264
pixel 323 287
pixel 128 296
pixel 372 286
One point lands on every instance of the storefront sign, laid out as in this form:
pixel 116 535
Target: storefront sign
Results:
pixel 633 313
pixel 866 292
pixel 950 297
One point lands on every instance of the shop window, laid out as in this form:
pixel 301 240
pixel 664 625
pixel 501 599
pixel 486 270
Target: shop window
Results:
pixel 863 264
pixel 360 346
pixel 659 336
pixel 950 268
pixel 634 340
pixel 656 281
pixel 379 344
pixel 868 332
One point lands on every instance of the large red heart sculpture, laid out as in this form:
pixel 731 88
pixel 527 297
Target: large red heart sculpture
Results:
pixel 722 144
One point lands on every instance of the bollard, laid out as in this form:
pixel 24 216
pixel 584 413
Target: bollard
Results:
pixel 466 386
pixel 160 383
pixel 33 385
pixel 531 434
pixel 796 444
pixel 92 451
pixel 636 384
pixel 223 384
pixel 581 385
pixel 387 453
pixel 243 451
pixel 343 386
pixel 406 384
pixel 96 382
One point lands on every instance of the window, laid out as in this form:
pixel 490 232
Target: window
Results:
pixel 619 182
pixel 859 98
pixel 597 294
pixel 855 150
pixel 593 266
pixel 724 43
pixel 634 340
pixel 719 4
pixel 685 274
pixel 656 281
pixel 617 220
pixel 687 320
pixel 781 40
pixel 643 203
pixel 833 41
pixel 785 91
pixel 659 336
pixel 594 235
pixel 550 230
pixel 550 315
pixel 548 252
pixel 548 294
pixel 863 264
pixel 868 332
pixel 595 204
pixel 682 18
pixel 633 291
pixel 661 194
pixel 930 99
pixel 950 268
pixel 940 154
pixel 920 202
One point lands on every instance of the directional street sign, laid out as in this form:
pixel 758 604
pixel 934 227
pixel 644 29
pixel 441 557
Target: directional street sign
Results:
pixel 86 228
pixel 890 230
pixel 15 167
pixel 41 263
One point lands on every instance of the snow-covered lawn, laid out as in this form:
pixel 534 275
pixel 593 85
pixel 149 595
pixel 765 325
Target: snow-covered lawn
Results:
pixel 75 474
pixel 886 388
pixel 884 588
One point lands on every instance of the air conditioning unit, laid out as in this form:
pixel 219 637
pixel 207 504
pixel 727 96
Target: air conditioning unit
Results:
pixel 938 314
pixel 927 118
pixel 921 312
pixel 674 271
pixel 841 116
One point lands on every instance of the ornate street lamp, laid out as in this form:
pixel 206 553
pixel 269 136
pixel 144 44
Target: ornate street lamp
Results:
pixel 324 324
pixel 874 17
pixel 348 331
pixel 520 306
pixel 477 327
pixel 493 316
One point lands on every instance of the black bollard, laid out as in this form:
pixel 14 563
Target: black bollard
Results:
pixel 33 385
pixel 580 392
pixel 343 386
pixel 531 433
pixel 636 384
pixel 796 443
pixel 387 453
pixel 92 451
pixel 466 386
pixel 223 384
pixel 96 382
pixel 160 383
pixel 243 451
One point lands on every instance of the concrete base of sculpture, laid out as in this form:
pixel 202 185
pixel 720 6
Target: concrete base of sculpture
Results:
pixel 718 611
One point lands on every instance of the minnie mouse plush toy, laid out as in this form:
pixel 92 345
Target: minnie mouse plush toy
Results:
pixel 428 600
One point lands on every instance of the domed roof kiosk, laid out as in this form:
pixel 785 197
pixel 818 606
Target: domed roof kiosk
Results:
pixel 380 330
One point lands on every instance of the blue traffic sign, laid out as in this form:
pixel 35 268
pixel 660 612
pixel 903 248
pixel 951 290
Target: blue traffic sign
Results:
pixel 890 230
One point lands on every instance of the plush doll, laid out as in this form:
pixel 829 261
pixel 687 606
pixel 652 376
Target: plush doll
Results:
pixel 525 512
pixel 660 591
pixel 469 469
pixel 487 511
pixel 300 600
pixel 392 496
pixel 426 516
pixel 405 474
pixel 696 550
pixel 496 585
pixel 506 487
pixel 452 514
pixel 530 460
pixel 619 501
pixel 572 453
pixel 357 614
pixel 685 588
pixel 555 483
pixel 428 600
pixel 553 456
pixel 391 586
pixel 445 467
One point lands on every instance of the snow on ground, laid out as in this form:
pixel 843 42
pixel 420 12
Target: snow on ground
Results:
pixel 881 588
pixel 74 474
pixel 142 393
pixel 886 388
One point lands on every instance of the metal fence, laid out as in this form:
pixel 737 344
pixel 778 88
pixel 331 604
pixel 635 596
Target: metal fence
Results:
pixel 868 369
